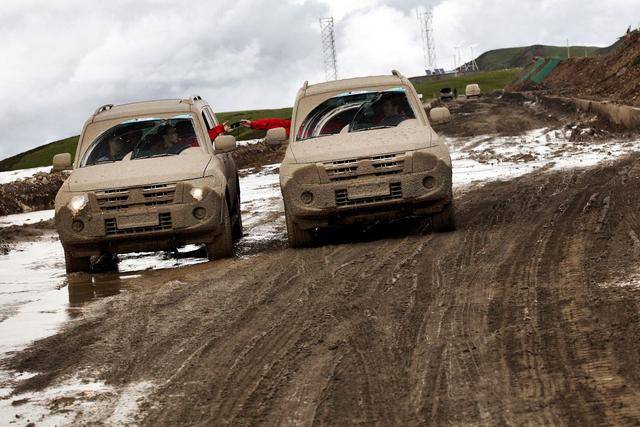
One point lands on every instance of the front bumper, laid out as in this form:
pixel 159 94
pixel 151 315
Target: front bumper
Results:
pixel 161 227
pixel 333 202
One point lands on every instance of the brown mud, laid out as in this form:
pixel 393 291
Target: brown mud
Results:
pixel 30 194
pixel 13 234
pixel 613 77
pixel 527 314
pixel 499 114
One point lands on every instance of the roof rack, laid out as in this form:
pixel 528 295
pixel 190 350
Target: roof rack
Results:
pixel 105 107
pixel 397 73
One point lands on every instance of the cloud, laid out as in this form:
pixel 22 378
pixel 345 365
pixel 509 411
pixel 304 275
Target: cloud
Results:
pixel 63 59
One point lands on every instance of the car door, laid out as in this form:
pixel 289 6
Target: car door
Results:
pixel 229 165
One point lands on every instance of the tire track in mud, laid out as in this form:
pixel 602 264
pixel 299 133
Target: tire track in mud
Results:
pixel 501 322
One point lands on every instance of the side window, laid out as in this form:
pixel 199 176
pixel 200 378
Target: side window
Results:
pixel 207 120
pixel 211 115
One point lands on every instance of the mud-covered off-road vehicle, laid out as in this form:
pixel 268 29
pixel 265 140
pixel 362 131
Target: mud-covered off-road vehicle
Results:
pixel 360 150
pixel 147 177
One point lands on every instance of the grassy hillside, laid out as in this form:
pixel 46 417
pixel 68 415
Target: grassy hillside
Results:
pixel 488 81
pixel 41 156
pixel 515 57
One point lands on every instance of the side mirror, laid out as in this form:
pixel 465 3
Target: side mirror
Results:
pixel 62 162
pixel 276 136
pixel 440 115
pixel 224 144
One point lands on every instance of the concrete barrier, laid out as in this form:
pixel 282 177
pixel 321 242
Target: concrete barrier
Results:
pixel 622 115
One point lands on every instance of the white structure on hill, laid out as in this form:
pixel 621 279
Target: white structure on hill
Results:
pixel 329 48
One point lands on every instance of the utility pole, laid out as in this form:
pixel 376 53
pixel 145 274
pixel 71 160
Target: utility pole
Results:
pixel 329 49
pixel 568 50
pixel 425 21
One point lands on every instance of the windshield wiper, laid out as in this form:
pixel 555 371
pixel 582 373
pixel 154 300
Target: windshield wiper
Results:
pixel 152 156
pixel 373 127
pixel 315 136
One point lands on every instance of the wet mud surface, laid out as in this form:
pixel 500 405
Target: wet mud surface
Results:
pixel 527 314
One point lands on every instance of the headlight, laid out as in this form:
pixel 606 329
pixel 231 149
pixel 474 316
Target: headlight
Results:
pixel 307 174
pixel 424 161
pixel 77 203
pixel 197 193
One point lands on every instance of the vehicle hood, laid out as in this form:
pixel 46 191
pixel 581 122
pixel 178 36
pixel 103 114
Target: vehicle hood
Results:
pixel 132 173
pixel 362 144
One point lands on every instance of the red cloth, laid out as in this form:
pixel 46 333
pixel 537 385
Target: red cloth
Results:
pixel 266 124
pixel 215 132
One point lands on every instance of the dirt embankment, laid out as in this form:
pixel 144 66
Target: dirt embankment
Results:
pixel 495 114
pixel 614 77
pixel 258 154
pixel 30 194
pixel 528 314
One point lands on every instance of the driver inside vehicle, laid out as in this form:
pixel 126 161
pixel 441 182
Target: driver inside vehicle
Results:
pixel 390 114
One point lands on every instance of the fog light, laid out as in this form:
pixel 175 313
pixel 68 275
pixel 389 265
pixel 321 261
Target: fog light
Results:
pixel 199 213
pixel 77 225
pixel 429 182
pixel 306 197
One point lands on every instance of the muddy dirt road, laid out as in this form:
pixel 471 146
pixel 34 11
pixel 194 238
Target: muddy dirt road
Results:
pixel 528 314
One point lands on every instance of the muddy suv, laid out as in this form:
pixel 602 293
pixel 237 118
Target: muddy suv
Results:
pixel 473 91
pixel 360 150
pixel 146 177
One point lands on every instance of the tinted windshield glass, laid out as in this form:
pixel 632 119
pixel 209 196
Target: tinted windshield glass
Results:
pixel 142 138
pixel 353 112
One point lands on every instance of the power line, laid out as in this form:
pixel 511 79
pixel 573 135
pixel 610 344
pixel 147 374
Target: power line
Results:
pixel 329 48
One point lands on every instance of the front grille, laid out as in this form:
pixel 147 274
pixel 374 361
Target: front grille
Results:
pixel 351 169
pixel 125 198
pixel 164 223
pixel 342 196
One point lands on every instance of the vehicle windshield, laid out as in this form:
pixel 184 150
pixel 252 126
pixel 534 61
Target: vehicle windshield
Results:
pixel 142 138
pixel 355 112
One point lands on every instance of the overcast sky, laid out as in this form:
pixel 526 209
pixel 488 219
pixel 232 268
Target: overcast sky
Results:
pixel 62 59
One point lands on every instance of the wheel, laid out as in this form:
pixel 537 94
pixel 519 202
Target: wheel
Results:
pixel 222 246
pixel 76 264
pixel 445 220
pixel 237 225
pixel 105 262
pixel 297 237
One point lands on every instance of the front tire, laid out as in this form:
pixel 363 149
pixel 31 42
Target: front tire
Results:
pixel 237 225
pixel 297 237
pixel 445 220
pixel 76 264
pixel 222 246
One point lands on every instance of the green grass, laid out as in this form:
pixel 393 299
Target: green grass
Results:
pixel 41 156
pixel 488 81
pixel 516 57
